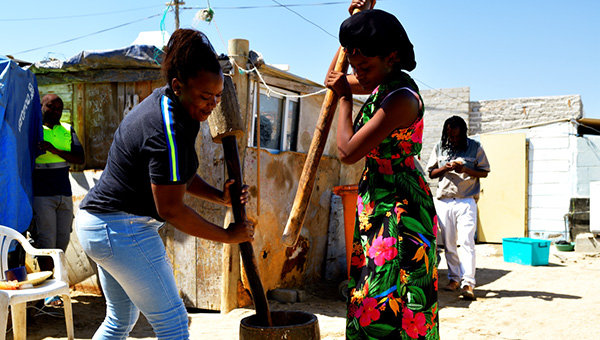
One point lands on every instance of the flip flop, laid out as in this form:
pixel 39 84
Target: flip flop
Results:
pixel 54 301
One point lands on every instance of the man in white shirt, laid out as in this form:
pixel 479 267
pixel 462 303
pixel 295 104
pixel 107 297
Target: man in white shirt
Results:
pixel 458 162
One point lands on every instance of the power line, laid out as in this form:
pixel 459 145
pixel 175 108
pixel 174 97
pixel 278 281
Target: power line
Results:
pixel 272 6
pixel 298 14
pixel 187 7
pixel 87 35
pixel 442 93
pixel 78 15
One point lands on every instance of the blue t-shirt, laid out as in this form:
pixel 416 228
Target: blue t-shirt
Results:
pixel 155 143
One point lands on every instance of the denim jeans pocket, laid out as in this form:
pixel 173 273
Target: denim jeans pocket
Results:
pixel 95 242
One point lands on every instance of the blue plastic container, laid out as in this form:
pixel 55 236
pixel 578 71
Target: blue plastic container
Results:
pixel 525 250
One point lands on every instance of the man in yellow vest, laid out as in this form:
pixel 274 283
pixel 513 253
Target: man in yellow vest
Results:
pixel 52 196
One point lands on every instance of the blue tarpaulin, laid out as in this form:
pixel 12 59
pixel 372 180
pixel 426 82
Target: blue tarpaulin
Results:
pixel 20 132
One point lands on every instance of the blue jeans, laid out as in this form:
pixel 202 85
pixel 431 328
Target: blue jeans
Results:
pixel 135 274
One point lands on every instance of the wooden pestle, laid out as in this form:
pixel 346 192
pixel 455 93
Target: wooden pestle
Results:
pixel 315 151
pixel 226 126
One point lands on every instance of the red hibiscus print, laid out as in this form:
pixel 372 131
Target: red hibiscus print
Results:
pixel 406 147
pixel 385 166
pixel 423 185
pixel 410 162
pixel 417 136
pixel 383 249
pixel 367 312
pixel 358 261
pixel 415 325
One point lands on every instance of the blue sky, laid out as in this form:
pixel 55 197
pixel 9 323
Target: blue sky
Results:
pixel 500 49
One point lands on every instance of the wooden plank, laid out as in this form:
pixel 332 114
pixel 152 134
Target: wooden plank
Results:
pixel 143 89
pixel 121 98
pixel 59 89
pixel 184 266
pixel 101 121
pixel 290 85
pixel 79 121
pixel 156 84
pixel 208 279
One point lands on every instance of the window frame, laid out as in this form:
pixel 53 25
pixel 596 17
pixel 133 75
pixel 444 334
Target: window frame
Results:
pixel 284 126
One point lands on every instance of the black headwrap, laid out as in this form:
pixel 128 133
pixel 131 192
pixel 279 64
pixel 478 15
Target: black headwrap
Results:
pixel 377 33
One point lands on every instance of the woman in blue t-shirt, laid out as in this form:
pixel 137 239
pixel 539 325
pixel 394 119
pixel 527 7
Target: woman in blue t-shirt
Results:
pixel 151 165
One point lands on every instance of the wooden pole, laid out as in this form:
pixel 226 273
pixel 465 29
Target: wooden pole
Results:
pixel 261 306
pixel 317 145
pixel 238 49
pixel 176 14
pixel 257 145
pixel 226 124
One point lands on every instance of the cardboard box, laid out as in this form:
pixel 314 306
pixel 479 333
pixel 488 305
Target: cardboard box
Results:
pixel 525 250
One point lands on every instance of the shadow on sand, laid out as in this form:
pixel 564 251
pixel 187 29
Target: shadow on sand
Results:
pixel 88 314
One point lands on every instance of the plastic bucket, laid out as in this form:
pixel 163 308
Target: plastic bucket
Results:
pixel 288 325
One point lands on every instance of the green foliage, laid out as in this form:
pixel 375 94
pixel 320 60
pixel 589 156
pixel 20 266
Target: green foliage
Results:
pixel 427 220
pixel 416 299
pixel 384 278
pixel 433 260
pixel 409 184
pixel 415 225
pixel 352 329
pixel 421 277
pixel 378 330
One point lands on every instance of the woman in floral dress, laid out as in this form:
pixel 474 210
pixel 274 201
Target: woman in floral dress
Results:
pixel 393 276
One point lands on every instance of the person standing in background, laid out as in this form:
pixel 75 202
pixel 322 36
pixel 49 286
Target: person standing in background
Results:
pixel 52 196
pixel 459 162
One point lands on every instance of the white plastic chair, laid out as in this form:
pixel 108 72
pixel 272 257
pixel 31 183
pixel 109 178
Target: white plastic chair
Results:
pixel 58 284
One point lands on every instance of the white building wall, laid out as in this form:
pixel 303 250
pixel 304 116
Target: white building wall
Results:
pixel 441 104
pixel 504 114
pixel 552 151
pixel 552 177
pixel 588 163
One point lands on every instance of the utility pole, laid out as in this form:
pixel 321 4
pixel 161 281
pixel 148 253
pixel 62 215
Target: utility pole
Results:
pixel 176 3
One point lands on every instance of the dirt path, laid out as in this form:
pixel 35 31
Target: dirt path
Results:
pixel 558 301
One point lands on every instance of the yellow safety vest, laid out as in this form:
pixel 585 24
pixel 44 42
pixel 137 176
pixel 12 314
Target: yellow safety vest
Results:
pixel 60 137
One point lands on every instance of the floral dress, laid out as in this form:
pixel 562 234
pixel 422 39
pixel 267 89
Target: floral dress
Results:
pixel 393 275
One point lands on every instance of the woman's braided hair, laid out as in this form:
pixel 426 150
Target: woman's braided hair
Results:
pixel 187 53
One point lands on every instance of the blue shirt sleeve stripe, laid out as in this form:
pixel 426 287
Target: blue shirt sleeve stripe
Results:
pixel 167 113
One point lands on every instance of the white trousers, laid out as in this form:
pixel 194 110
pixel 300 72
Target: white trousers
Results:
pixel 457 218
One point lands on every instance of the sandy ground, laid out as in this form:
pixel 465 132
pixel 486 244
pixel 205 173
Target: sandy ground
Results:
pixel 557 301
